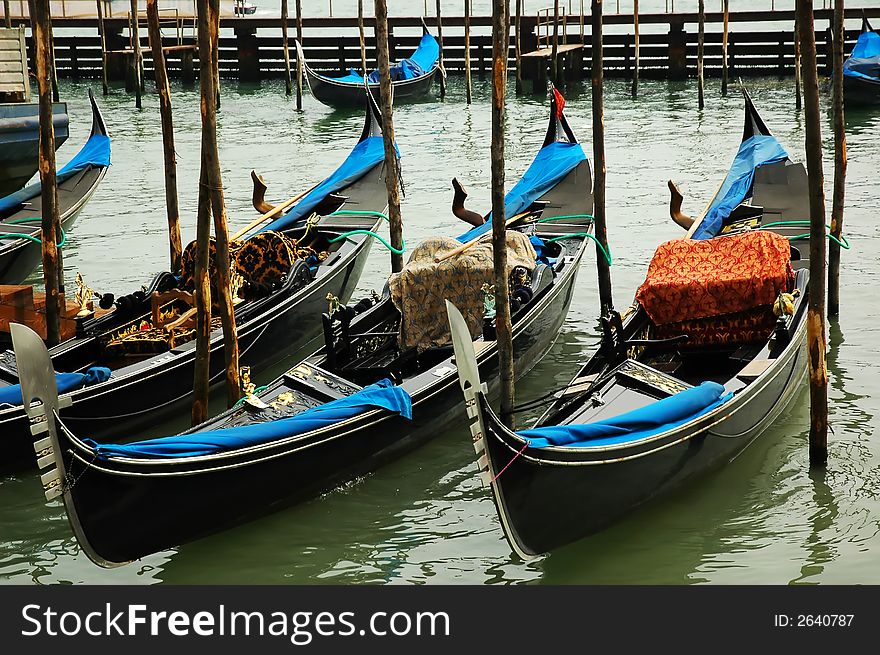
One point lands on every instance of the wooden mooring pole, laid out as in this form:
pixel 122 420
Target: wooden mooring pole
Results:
pixel 467 52
pixel 440 41
pixel 518 47
pixel 51 221
pixel 816 312
pixel 299 63
pixel 392 165
pixel 503 326
pixel 164 89
pixel 724 34
pixel 102 35
pixel 554 54
pixel 361 37
pixel 635 82
pixel 701 38
pixel 136 54
pixel 797 62
pixel 839 161
pixel 7 13
pixel 288 83
pixel 602 267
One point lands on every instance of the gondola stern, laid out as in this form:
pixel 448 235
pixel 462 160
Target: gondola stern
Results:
pixel 558 128
pixel 98 124
pixel 373 119
pixel 754 125
pixel 866 25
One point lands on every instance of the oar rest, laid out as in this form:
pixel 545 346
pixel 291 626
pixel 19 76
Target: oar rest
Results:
pixel 169 321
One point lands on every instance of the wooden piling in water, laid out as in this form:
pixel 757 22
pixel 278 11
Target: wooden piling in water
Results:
pixel 503 326
pixel 51 220
pixel 299 63
pixel 164 89
pixel 602 267
pixel 135 54
pixel 467 52
pixel 103 38
pixel 701 100
pixel 840 161
pixel 554 55
pixel 635 81
pixel 724 34
pixel 440 41
pixel 288 84
pixel 361 37
pixel 392 169
pixel 797 63
pixel 816 311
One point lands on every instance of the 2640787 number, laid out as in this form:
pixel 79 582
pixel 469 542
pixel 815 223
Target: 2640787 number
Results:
pixel 824 620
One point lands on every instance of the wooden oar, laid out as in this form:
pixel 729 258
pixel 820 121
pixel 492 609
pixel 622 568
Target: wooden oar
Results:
pixel 277 209
pixel 465 246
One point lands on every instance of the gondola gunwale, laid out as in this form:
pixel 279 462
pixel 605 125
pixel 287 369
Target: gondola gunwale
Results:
pixel 11 249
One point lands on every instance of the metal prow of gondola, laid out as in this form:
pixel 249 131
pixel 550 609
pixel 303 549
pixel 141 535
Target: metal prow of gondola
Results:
pixel 459 210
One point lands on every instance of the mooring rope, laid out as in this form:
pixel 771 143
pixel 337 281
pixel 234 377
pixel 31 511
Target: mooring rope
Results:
pixel 19 235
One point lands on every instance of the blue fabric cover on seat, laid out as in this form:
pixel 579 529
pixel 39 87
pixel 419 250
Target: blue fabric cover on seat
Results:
pixel 865 58
pixel 638 424
pixel 364 156
pixel 420 63
pixel 95 152
pixel 65 382
pixel 382 395
pixel 552 163
pixel 753 153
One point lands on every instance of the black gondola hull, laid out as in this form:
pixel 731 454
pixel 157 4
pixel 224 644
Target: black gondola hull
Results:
pixel 550 499
pixel 345 94
pixel 122 507
pixel 861 92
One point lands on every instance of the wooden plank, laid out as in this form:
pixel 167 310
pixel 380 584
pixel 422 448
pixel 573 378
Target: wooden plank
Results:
pixel 10 67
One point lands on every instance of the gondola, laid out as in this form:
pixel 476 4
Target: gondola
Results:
pixel 20 212
pixel 20 141
pixel 861 71
pixel 282 275
pixel 361 401
pixel 680 385
pixel 411 78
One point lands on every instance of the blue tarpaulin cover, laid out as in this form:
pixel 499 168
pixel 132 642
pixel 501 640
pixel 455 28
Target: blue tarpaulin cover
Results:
pixel 552 163
pixel 95 152
pixel 754 152
pixel 865 58
pixel 65 382
pixel 382 395
pixel 641 423
pixel 421 62
pixel 362 158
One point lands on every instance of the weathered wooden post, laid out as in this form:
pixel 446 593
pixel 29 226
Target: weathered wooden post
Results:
pixel 440 41
pixel 51 221
pixel 164 90
pixel 467 51
pixel 299 63
pixel 554 54
pixel 724 71
pixel 103 39
pixel 361 37
pixel 839 161
pixel 503 327
pixel 135 54
pixel 701 38
pixel 602 266
pixel 635 83
pixel 7 14
pixel 816 312
pixel 288 84
pixel 797 62
pixel 392 171
pixel 517 47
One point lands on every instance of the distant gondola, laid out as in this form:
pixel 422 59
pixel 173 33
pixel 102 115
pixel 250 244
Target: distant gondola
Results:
pixel 344 411
pixel 20 141
pixel 861 71
pixel 20 212
pixel 283 274
pixel 411 78
pixel 700 366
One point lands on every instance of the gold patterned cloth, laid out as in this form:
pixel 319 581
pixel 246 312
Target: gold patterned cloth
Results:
pixel 420 289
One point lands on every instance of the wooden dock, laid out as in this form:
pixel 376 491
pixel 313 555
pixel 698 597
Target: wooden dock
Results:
pixel 250 48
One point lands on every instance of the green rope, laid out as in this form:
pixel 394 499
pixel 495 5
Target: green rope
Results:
pixel 843 242
pixel 19 235
pixel 375 236
pixel 256 391
pixel 577 235
pixel 354 212
pixel 567 216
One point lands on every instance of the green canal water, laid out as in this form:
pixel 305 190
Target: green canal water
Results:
pixel 425 519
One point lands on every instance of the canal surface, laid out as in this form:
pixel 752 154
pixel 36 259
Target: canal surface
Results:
pixel 425 519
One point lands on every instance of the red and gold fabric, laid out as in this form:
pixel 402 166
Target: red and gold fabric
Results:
pixel 752 326
pixel 690 279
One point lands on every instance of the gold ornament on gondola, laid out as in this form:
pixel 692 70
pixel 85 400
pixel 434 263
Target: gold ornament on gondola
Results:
pixel 784 305
pixel 83 296
pixel 333 303
pixel 247 387
pixel 488 300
